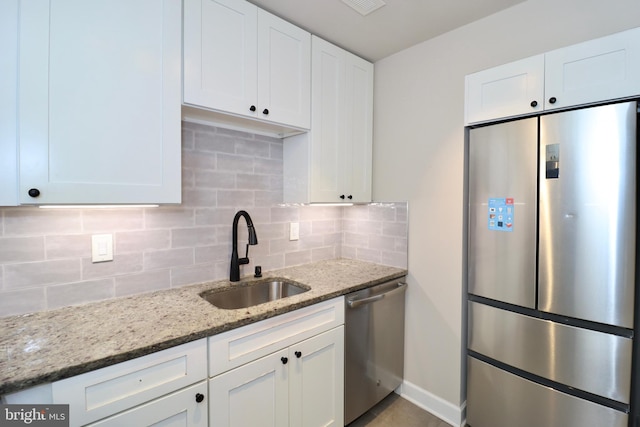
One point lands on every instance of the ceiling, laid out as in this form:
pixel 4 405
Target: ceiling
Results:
pixel 394 27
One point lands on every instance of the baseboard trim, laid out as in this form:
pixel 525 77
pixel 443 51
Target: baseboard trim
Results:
pixel 446 411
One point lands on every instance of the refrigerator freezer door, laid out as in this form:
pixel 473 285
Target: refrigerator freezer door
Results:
pixel 587 214
pixel 503 165
pixel 514 401
pixel 562 353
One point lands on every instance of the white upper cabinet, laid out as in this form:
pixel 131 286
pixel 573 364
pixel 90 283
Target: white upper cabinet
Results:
pixel 243 61
pixel 220 62
pixel 508 90
pixel 332 163
pixel 594 71
pixel 99 101
pixel 597 70
pixel 8 94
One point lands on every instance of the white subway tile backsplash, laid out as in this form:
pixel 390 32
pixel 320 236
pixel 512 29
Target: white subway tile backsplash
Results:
pixel 253 182
pixel 38 222
pixel 108 220
pixel 121 264
pixel 235 163
pixel 253 148
pixel 146 281
pixel 168 217
pixel 297 258
pixel 42 273
pixel 193 237
pixel 202 198
pixel 214 179
pixel 216 253
pixel 198 273
pixel 197 160
pixel 80 292
pixel 18 301
pixel 21 249
pixel 45 255
pixel 141 241
pixel 168 258
pixel 268 197
pixel 321 254
pixel 68 246
pixel 236 198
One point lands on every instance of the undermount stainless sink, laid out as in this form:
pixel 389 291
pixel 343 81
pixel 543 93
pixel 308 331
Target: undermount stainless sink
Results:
pixel 248 294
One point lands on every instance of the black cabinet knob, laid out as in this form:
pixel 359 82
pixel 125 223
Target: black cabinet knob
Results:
pixel 298 354
pixel 252 108
pixel 552 100
pixel 199 397
pixel 534 104
pixel 284 360
pixel 34 192
pixel 265 111
pixel 350 197
pixel 342 196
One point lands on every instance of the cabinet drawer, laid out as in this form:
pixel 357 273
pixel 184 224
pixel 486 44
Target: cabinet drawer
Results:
pixel 239 346
pixel 180 408
pixel 98 394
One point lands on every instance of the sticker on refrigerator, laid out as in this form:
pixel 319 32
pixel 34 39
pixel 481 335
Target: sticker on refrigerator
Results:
pixel 501 214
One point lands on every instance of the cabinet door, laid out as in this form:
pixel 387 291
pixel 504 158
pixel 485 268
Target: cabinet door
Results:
pixel 596 70
pixel 317 380
pixel 358 140
pixel 8 94
pixel 99 101
pixel 101 393
pixel 284 72
pixel 328 125
pixel 508 90
pixel 220 48
pixel 255 394
pixel 185 408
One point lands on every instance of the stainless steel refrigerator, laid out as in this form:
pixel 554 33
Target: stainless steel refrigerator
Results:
pixel 552 270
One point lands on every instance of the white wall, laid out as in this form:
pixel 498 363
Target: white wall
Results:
pixel 419 157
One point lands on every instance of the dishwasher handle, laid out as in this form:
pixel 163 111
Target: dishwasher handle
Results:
pixel 358 302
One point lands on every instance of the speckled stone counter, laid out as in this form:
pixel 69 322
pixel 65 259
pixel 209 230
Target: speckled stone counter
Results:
pixel 52 345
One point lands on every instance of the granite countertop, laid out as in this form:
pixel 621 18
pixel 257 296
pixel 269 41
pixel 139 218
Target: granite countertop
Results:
pixel 48 346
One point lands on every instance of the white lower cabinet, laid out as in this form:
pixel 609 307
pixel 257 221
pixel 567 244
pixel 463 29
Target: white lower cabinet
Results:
pixel 284 371
pixel 184 408
pixel 166 388
pixel 301 385
pixel 316 380
pixel 255 394
pixel 287 370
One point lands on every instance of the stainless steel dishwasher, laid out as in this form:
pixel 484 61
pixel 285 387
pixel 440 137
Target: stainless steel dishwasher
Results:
pixel 374 346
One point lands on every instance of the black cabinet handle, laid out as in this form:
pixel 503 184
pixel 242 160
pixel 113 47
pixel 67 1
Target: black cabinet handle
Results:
pixel 342 196
pixel 252 108
pixel 298 354
pixel 534 104
pixel 284 360
pixel 265 111
pixel 34 192
pixel 350 197
pixel 552 100
pixel 199 397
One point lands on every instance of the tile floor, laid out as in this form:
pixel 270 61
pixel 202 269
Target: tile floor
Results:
pixel 394 411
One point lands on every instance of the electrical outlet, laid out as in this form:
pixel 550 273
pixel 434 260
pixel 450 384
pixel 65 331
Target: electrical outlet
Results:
pixel 101 247
pixel 294 231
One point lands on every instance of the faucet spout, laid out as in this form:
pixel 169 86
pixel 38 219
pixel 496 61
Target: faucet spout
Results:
pixel 236 262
